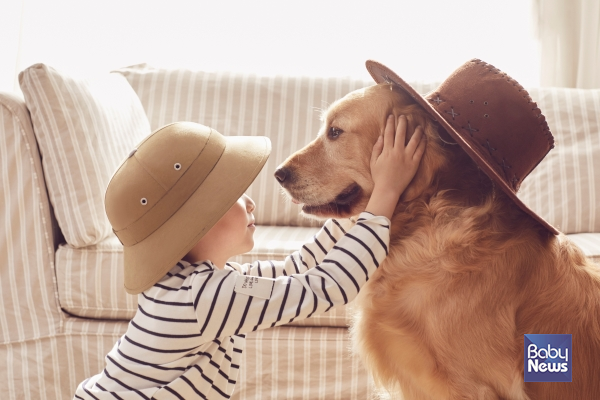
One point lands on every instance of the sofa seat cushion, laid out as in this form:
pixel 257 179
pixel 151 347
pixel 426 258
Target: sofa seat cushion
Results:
pixel 589 243
pixel 90 279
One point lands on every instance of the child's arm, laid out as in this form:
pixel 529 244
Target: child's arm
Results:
pixel 386 162
pixel 229 303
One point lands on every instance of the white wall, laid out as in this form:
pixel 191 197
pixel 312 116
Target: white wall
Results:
pixel 419 39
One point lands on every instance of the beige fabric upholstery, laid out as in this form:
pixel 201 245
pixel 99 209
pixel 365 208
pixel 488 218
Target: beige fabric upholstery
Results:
pixel 565 187
pixel 46 352
pixel 84 128
pixel 28 305
pixel 589 243
pixel 286 109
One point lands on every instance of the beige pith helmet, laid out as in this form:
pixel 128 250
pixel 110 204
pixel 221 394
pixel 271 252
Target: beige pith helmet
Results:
pixel 172 189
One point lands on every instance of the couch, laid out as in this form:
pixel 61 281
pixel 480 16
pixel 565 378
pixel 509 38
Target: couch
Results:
pixel 62 303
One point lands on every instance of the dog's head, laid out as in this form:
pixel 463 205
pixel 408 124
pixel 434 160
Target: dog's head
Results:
pixel 331 176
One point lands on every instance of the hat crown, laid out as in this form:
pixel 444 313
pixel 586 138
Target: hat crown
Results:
pixel 496 117
pixel 158 177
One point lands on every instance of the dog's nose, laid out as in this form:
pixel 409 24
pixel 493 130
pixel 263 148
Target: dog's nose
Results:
pixel 281 174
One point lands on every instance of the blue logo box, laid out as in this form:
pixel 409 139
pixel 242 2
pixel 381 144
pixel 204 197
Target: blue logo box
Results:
pixel 548 358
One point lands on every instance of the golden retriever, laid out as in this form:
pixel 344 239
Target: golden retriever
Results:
pixel 468 272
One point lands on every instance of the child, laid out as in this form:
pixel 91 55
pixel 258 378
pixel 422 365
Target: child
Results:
pixel 177 205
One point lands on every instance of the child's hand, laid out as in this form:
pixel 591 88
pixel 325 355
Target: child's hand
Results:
pixel 393 165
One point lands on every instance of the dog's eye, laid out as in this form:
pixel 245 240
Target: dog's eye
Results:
pixel 334 132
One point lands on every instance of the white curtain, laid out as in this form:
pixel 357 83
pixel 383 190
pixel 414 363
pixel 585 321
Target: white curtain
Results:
pixel 569 35
pixel 420 40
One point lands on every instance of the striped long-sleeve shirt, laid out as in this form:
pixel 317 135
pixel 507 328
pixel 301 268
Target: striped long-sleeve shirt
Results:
pixel 187 336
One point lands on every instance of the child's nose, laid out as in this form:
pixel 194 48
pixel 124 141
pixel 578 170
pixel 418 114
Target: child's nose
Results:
pixel 250 206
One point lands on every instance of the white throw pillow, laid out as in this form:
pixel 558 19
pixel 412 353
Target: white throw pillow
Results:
pixel 565 187
pixel 84 128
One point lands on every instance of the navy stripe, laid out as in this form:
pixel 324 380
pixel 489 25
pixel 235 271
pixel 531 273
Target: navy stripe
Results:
pixel 273 269
pixel 376 236
pixel 207 379
pixel 315 298
pixel 223 374
pixel 199 393
pixel 348 274
pixel 329 234
pixel 355 259
pixel 300 303
pixel 302 260
pixel 168 303
pixel 177 275
pixel 165 335
pixel 122 368
pixel 168 389
pixel 339 226
pixel 325 293
pixel 87 391
pixel 320 246
pixel 262 315
pixel 311 253
pixel 226 317
pixel 116 396
pixel 214 301
pixel 244 314
pixel 202 290
pixel 291 257
pixel 126 386
pixel 336 282
pixel 285 296
pixel 173 289
pixel 364 219
pixel 157 366
pixel 365 246
pixel 157 350
pixel 165 318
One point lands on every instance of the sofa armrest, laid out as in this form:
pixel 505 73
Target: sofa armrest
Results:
pixel 29 234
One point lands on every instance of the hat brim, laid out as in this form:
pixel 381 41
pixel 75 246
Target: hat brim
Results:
pixel 382 74
pixel 149 260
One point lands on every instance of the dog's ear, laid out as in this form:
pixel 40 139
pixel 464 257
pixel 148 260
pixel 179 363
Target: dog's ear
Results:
pixel 433 158
pixel 413 115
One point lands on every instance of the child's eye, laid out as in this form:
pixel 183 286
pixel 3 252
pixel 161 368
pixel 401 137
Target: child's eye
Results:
pixel 334 133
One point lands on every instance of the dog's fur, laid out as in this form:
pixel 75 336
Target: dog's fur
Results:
pixel 468 272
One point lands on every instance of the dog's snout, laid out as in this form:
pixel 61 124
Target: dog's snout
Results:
pixel 282 174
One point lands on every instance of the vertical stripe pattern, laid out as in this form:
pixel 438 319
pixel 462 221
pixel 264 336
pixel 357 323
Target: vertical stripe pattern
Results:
pixel 565 187
pixel 84 128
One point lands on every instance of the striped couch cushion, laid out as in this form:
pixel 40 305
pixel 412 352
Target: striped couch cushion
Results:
pixel 565 186
pixel 286 109
pixel 84 129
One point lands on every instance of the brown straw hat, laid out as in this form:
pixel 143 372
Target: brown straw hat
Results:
pixel 172 189
pixel 491 117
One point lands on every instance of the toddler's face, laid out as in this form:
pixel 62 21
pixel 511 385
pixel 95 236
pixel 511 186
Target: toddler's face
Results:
pixel 232 235
pixel 236 228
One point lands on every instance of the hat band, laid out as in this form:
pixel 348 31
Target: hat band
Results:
pixel 181 191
